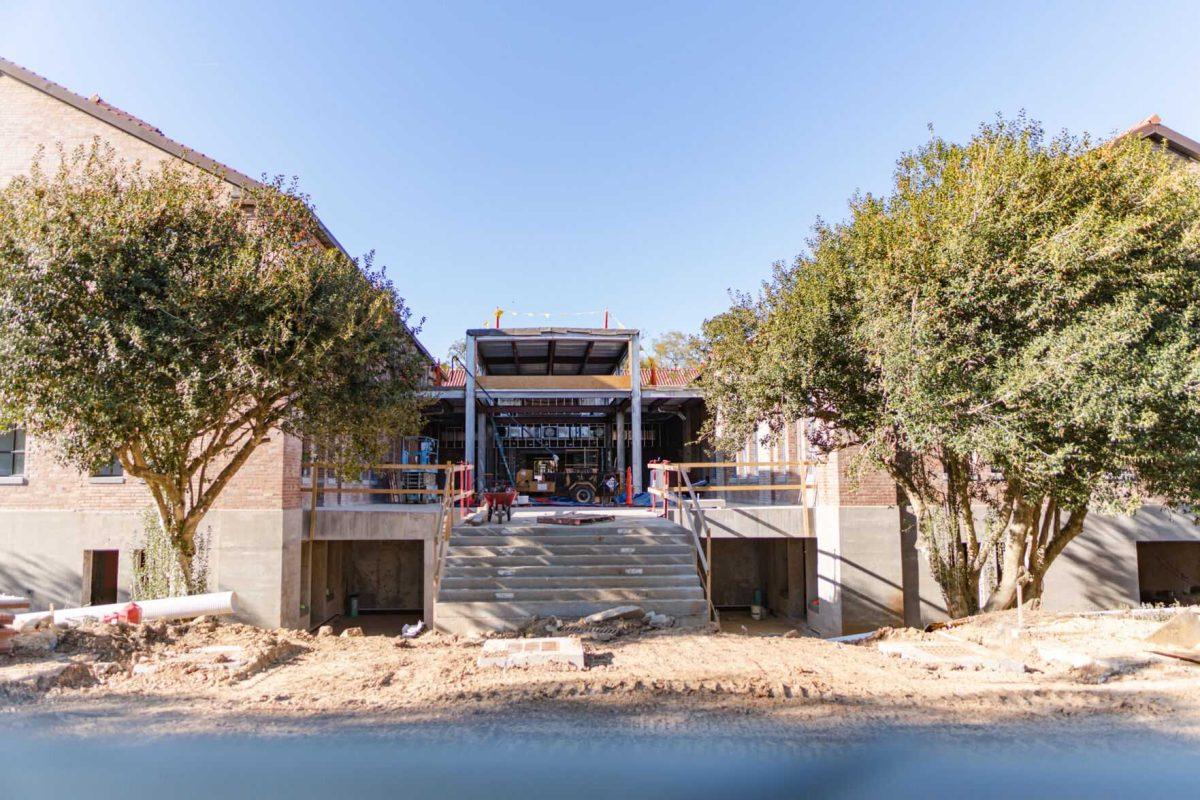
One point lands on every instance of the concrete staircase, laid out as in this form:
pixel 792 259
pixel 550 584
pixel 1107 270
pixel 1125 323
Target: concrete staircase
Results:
pixel 496 577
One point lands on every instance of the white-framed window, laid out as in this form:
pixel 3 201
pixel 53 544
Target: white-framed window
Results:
pixel 12 453
pixel 112 472
pixel 112 469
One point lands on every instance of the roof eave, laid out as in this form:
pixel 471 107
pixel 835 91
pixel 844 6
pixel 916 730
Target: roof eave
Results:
pixel 168 146
pixel 1176 141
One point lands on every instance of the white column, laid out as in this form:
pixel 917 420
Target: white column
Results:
pixel 469 421
pixel 621 444
pixel 635 400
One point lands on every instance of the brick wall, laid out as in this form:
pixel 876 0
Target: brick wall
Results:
pixel 840 478
pixel 269 479
pixel 862 484
pixel 30 119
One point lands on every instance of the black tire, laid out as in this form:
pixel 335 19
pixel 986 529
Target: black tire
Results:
pixel 583 493
pixel 490 512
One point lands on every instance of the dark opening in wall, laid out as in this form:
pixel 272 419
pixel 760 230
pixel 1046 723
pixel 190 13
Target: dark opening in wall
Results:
pixel 774 567
pixel 100 577
pixel 1169 572
pixel 386 575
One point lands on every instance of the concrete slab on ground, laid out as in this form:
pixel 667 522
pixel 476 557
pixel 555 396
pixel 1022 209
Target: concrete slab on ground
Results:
pixel 950 652
pixel 37 675
pixel 739 622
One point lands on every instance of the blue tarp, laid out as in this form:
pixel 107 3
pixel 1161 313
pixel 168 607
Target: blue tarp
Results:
pixel 639 499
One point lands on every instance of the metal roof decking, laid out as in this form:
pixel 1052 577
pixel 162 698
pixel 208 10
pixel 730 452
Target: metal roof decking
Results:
pixel 551 351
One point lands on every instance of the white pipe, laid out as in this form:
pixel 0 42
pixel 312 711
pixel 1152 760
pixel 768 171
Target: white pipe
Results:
pixel 217 603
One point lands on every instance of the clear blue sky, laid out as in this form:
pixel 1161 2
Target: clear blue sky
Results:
pixel 565 157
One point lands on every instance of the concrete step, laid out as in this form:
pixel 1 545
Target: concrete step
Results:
pixel 555 582
pixel 507 615
pixel 570 530
pixel 549 540
pixel 497 577
pixel 454 570
pixel 588 595
pixel 558 550
pixel 688 560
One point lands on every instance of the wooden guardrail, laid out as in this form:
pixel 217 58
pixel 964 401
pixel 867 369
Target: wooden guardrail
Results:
pixel 689 514
pixel 457 487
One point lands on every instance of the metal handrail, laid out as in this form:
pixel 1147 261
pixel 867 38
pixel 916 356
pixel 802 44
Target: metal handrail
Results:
pixel 697 524
pixel 445 520
pixel 703 556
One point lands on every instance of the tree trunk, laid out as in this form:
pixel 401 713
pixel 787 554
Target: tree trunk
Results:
pixel 945 533
pixel 185 568
pixel 181 504
pixel 953 568
pixel 1018 536
pixel 184 539
pixel 960 600
pixel 1043 557
pixel 1043 542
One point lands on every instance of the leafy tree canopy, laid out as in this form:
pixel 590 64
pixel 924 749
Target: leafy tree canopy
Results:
pixel 676 350
pixel 155 315
pixel 1014 328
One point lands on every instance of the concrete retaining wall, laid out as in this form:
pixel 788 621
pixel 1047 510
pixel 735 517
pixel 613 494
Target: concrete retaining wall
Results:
pixel 1099 569
pixel 855 571
pixel 254 553
pixel 756 522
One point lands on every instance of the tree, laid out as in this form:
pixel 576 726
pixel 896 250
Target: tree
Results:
pixel 676 350
pixel 456 352
pixel 151 314
pixel 1013 334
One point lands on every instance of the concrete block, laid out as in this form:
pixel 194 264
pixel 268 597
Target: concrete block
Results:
pixel 949 652
pixel 1182 631
pixel 532 652
pixel 619 612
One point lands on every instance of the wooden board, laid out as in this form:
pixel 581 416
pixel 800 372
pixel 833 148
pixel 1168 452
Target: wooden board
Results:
pixel 549 382
pixel 1183 655
pixel 10 602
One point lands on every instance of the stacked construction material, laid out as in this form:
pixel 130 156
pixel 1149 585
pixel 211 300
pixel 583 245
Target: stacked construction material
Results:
pixel 9 606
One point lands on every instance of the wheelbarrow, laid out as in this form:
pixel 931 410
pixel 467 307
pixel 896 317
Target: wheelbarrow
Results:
pixel 500 502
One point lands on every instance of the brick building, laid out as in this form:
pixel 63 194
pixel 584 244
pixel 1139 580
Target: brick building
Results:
pixel 852 564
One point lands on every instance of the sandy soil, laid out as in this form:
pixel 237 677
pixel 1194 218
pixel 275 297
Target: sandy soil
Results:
pixel 226 678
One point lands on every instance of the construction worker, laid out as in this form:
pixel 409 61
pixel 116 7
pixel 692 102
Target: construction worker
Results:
pixel 610 489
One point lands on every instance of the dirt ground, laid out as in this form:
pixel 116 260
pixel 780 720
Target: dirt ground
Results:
pixel 1088 678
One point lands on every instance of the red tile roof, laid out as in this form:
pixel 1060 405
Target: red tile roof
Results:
pixel 670 378
pixel 450 378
